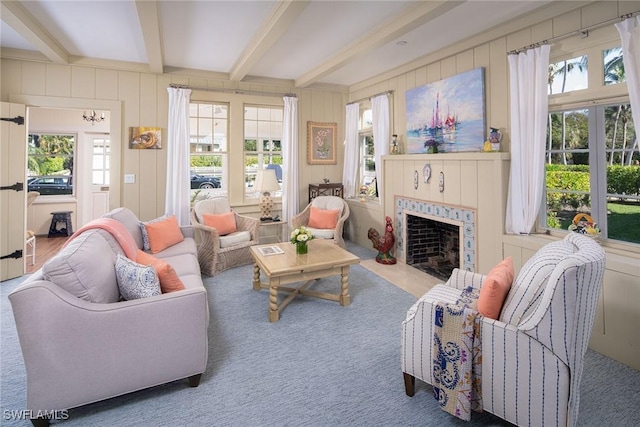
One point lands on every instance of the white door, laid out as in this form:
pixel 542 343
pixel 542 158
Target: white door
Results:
pixel 13 166
pixel 94 186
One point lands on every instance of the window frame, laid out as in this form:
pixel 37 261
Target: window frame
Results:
pixel 595 98
pixel 73 157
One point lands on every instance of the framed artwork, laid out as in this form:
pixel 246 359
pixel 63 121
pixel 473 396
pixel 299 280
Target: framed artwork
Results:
pixel 321 143
pixel 145 137
pixel 448 115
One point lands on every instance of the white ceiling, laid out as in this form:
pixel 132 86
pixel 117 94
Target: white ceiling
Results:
pixel 318 41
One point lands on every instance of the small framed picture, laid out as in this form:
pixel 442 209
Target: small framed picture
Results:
pixel 321 143
pixel 145 137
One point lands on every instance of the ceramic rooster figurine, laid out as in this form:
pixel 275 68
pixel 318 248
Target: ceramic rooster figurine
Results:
pixel 383 244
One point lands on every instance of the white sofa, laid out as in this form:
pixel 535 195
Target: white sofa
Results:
pixel 533 355
pixel 77 351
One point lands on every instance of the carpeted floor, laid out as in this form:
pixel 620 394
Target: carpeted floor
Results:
pixel 320 365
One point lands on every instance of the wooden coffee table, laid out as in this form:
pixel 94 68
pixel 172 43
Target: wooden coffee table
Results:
pixel 324 259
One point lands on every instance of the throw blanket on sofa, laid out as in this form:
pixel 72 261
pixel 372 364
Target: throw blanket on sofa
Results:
pixel 457 353
pixel 117 230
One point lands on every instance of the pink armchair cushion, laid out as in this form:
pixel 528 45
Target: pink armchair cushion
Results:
pixel 224 223
pixel 495 288
pixel 323 218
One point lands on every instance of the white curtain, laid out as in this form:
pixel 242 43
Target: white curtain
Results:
pixel 629 30
pixel 380 112
pixel 290 187
pixel 528 78
pixel 351 146
pixel 178 182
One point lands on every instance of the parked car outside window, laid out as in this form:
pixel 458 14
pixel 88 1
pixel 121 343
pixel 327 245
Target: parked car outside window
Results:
pixel 204 182
pixel 51 185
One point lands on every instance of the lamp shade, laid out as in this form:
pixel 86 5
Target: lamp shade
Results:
pixel 266 181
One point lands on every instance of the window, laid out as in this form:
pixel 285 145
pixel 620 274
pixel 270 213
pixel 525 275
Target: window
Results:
pixel 592 153
pixel 367 163
pixel 568 75
pixel 100 162
pixel 50 163
pixel 209 128
pixel 262 145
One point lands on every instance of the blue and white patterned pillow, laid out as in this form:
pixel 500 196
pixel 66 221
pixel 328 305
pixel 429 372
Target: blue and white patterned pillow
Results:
pixel 145 236
pixel 135 280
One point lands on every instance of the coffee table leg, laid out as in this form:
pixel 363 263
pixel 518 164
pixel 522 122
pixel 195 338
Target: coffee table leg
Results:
pixel 274 313
pixel 256 277
pixel 345 298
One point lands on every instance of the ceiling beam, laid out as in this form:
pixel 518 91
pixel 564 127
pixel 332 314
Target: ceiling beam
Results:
pixel 407 21
pixel 18 18
pixel 150 26
pixel 274 26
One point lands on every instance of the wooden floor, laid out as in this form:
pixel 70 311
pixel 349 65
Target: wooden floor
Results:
pixel 45 248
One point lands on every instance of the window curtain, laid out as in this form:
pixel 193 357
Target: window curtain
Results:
pixel 380 112
pixel 290 187
pixel 178 183
pixel 351 157
pixel 629 30
pixel 529 108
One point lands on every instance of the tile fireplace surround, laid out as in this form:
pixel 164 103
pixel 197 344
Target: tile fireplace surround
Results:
pixel 463 217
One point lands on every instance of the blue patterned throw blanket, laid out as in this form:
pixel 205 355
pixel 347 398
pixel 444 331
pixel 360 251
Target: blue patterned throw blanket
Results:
pixel 457 363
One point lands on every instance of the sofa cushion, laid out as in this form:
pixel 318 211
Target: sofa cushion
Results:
pixel 223 223
pixel 495 288
pixel 130 221
pixel 323 218
pixel 531 281
pixel 163 234
pixel 321 233
pixel 169 280
pixel 84 268
pixel 135 280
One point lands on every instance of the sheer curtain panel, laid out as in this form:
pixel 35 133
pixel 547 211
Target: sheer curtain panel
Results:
pixel 178 183
pixel 290 187
pixel 350 168
pixel 629 30
pixel 528 75
pixel 380 111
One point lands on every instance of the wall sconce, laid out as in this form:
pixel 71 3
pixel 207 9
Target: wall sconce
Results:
pixel 92 117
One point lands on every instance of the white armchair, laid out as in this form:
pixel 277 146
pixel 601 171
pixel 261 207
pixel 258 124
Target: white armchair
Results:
pixel 218 251
pixel 532 357
pixel 324 203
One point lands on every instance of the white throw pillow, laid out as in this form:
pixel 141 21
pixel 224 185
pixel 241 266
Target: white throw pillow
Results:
pixel 135 280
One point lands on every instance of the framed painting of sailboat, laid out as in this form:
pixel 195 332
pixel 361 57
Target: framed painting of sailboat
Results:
pixel 448 115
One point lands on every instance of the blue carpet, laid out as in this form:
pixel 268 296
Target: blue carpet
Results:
pixel 320 365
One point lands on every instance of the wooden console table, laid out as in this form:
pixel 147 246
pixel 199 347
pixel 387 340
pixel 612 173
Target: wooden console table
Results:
pixel 331 189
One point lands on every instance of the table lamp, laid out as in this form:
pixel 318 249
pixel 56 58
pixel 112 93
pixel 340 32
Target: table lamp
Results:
pixel 266 181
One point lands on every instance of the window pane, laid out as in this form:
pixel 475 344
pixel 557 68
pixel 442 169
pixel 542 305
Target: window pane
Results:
pixel 623 174
pixel 613 66
pixel 51 154
pixel 567 170
pixel 208 147
pixel 568 75
pixel 367 119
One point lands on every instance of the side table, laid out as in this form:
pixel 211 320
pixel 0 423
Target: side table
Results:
pixel 330 189
pixel 269 226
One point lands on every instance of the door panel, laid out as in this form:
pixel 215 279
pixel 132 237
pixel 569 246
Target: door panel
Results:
pixel 13 166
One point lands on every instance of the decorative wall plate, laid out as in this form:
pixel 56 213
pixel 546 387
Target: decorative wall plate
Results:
pixel 426 172
pixel 415 180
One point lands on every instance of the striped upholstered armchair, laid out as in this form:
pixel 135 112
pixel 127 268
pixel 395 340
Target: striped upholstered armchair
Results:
pixel 533 355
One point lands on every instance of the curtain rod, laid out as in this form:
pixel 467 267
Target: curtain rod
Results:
pixel 372 96
pixel 583 31
pixel 234 91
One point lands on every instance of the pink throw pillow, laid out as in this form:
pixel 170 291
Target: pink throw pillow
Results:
pixel 169 280
pixel 163 234
pixel 495 288
pixel 323 218
pixel 224 223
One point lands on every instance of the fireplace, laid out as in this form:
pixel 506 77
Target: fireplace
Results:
pixel 453 245
pixel 433 245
